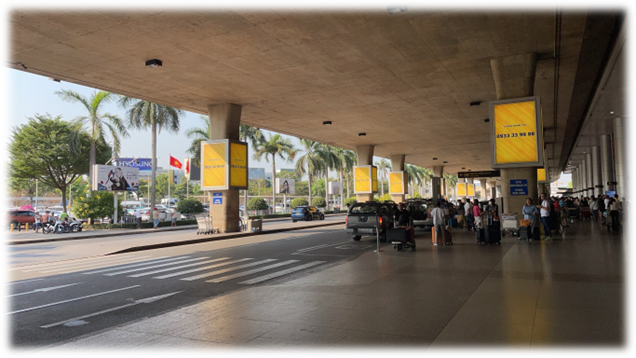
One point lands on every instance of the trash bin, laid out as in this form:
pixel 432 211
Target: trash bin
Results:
pixel 255 225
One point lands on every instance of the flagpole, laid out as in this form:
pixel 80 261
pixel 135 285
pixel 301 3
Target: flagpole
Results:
pixel 170 173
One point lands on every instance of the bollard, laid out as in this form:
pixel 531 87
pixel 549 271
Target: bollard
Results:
pixel 27 226
pixel 11 227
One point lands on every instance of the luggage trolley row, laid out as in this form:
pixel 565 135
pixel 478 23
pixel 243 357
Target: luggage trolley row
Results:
pixel 205 225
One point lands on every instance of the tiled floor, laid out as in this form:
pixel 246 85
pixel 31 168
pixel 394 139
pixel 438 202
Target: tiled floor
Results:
pixel 566 292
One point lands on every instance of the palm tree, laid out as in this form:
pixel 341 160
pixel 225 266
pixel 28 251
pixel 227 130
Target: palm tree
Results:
pixel 96 121
pixel 383 169
pixel 254 136
pixel 415 174
pixel 329 159
pixel 198 135
pixel 450 180
pixel 310 163
pixel 347 161
pixel 141 115
pixel 275 145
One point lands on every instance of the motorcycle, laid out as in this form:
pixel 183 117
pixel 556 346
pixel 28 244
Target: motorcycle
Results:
pixel 76 225
pixel 61 227
pixel 47 227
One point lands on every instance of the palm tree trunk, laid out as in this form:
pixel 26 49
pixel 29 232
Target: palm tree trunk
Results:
pixel 348 195
pixel 274 184
pixel 382 184
pixel 153 173
pixel 326 189
pixel 92 163
pixel 309 181
pixel 341 200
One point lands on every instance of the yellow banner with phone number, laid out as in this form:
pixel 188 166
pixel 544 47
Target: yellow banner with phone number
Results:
pixel 516 133
pixel 213 165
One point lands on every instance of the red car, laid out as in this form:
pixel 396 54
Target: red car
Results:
pixel 21 217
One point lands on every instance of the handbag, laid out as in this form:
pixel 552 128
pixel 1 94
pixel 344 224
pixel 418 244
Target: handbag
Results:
pixel 524 222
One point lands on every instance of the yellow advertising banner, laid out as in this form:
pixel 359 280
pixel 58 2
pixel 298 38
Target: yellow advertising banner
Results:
pixel 470 190
pixel 238 165
pixel 374 179
pixel 361 179
pixel 397 183
pixel 213 166
pixel 541 174
pixel 516 133
pixel 461 189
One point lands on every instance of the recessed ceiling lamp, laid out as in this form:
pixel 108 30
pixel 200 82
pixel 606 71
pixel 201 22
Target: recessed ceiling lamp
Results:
pixel 326 123
pixel 54 79
pixel 434 158
pixel 611 112
pixel 362 134
pixel 154 63
pixel 463 168
pixel 487 120
pixel 475 103
pixel 445 162
pixel 396 9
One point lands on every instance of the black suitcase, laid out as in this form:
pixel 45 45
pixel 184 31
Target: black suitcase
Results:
pixel 398 235
pixel 525 233
pixel 536 233
pixel 554 221
pixel 493 233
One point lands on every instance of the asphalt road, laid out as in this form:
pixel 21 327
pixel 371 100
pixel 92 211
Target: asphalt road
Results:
pixel 54 302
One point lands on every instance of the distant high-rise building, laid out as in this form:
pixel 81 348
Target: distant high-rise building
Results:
pixel 256 173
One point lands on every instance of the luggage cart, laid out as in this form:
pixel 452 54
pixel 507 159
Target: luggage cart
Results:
pixel 509 224
pixel 205 226
pixel 573 213
pixel 585 213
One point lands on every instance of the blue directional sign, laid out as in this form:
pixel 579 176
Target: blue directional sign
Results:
pixel 519 187
pixel 217 200
pixel 217 194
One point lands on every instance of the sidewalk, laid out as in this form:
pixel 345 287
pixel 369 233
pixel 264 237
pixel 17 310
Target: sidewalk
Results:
pixel 30 237
pixel 518 294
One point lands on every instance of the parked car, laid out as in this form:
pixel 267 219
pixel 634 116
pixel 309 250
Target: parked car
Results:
pixel 314 213
pixel 420 210
pixel 20 217
pixel 369 218
pixel 147 216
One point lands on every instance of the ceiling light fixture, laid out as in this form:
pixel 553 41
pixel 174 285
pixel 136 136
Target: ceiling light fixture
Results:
pixel 434 158
pixel 611 112
pixel 463 167
pixel 154 63
pixel 487 120
pixel 326 123
pixel 362 134
pixel 445 162
pixel 396 9
pixel 475 103
pixel 54 79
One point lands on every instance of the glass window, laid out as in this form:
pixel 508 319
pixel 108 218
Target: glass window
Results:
pixel 364 209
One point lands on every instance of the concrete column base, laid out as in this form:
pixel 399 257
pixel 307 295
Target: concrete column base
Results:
pixel 515 203
pixel 397 198
pixel 225 216
pixel 361 198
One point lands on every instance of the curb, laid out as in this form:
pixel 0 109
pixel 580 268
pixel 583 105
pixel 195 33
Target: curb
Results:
pixel 208 239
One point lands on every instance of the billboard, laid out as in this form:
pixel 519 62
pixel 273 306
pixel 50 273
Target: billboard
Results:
pixel 398 183
pixel 143 164
pixel 470 190
pixel 115 178
pixel 334 188
pixel 462 190
pixel 541 175
pixel 364 180
pixel 285 186
pixel 224 165
pixel 516 133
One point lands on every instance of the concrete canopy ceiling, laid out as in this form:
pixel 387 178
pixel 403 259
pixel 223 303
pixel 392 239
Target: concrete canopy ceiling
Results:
pixel 407 80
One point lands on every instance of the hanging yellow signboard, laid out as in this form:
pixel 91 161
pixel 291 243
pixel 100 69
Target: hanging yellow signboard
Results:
pixel 224 165
pixel 470 190
pixel 516 133
pixel 541 175
pixel 397 183
pixel 461 189
pixel 365 179
pixel 238 165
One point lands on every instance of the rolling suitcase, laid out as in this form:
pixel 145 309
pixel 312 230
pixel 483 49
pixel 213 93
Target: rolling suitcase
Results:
pixel 452 222
pixel 493 233
pixel 449 238
pixel 536 233
pixel 399 237
pixel 524 232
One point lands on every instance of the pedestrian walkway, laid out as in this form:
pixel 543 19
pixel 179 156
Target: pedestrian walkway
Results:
pixel 185 268
pixel 561 293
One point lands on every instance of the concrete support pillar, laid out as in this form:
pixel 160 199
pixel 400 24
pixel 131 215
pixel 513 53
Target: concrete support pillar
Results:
pixel 607 162
pixel 438 173
pixel 574 180
pixel 596 171
pixel 588 174
pixel 397 164
pixel 619 160
pixel 484 189
pixel 492 189
pixel 514 78
pixel 584 177
pixel 365 157
pixel 224 124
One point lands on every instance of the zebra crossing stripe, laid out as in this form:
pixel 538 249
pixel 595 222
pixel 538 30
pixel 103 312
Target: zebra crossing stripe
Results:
pixel 200 269
pixel 249 272
pixel 178 267
pixel 54 265
pixel 141 263
pixel 281 273
pixel 154 266
pixel 92 264
pixel 218 272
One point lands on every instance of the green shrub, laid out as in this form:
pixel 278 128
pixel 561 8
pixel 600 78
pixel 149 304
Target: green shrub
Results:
pixel 319 202
pixel 257 204
pixel 190 206
pixel 385 197
pixel 351 201
pixel 298 202
pixel 144 225
pixel 98 205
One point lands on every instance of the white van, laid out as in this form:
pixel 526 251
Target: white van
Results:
pixel 169 201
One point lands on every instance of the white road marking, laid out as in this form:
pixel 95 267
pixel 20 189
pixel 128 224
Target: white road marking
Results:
pixel 249 272
pixel 281 273
pixel 25 281
pixel 46 289
pixel 218 272
pixel 178 267
pixel 73 299
pixel 200 269
pixel 142 263
pixel 136 302
pixel 155 266
pixel 321 246
pixel 90 265
pixel 74 262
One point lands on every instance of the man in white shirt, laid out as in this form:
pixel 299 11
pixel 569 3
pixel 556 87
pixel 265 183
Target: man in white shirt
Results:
pixel 468 211
pixel 545 215
pixel 439 223
pixel 138 217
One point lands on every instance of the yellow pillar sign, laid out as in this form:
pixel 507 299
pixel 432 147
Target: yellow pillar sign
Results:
pixel 397 183
pixel 365 179
pixel 541 175
pixel 223 165
pixel 470 190
pixel 461 189
pixel 516 133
